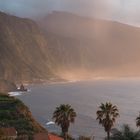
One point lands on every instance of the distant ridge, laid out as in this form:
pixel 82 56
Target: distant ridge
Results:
pixel 66 46
pixel 101 47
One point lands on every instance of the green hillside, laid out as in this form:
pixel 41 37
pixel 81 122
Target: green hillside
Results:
pixel 13 113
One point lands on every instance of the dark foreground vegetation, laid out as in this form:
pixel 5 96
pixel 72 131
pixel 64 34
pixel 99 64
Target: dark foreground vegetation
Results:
pixel 63 116
pixel 14 114
pixel 107 114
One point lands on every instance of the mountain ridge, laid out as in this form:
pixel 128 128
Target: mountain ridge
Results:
pixel 109 48
pixel 22 46
pixel 66 46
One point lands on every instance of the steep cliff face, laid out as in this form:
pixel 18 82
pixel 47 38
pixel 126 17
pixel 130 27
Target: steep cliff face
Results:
pixel 22 45
pixel 7 86
pixel 69 46
pixel 104 48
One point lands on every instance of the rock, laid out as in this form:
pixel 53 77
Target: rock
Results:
pixel 6 86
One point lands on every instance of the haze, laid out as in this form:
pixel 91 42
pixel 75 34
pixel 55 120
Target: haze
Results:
pixel 126 11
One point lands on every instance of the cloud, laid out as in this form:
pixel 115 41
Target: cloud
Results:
pixel 121 10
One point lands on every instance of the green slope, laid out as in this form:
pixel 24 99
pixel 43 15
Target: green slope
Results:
pixel 13 113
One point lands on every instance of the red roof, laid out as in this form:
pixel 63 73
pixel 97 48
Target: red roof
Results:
pixel 41 136
pixel 9 131
pixel 54 137
pixel 45 136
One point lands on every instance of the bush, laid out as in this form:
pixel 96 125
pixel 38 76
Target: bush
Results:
pixel 126 133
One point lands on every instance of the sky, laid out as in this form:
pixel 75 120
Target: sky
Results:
pixel 127 11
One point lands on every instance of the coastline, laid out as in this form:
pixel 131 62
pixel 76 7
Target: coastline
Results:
pixel 64 81
pixel 85 97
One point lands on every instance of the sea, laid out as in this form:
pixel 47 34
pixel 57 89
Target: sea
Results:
pixel 85 97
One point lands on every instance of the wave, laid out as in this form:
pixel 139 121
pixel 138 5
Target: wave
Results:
pixel 50 123
pixel 18 93
pixel 14 94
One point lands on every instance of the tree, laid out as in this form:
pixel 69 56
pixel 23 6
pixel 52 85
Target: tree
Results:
pixel 138 121
pixel 64 115
pixel 107 115
pixel 126 133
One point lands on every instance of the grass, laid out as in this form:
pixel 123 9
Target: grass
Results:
pixel 13 113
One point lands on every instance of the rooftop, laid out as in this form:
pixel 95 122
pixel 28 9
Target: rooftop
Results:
pixel 11 131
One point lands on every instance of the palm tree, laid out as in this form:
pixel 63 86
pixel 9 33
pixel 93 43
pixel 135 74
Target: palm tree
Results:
pixel 138 121
pixel 126 133
pixel 64 115
pixel 107 115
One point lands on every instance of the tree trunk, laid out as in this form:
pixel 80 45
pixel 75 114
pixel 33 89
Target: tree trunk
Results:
pixel 108 135
pixel 65 133
pixel 66 136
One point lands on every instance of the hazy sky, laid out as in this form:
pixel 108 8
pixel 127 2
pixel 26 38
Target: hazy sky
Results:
pixel 127 11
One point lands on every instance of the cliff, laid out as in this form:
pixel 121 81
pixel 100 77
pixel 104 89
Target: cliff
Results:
pixel 7 86
pixel 22 45
pixel 66 45
pixel 97 47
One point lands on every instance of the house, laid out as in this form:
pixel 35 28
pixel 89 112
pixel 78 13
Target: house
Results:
pixel 41 136
pixel 8 133
pixel 46 136
pixel 54 137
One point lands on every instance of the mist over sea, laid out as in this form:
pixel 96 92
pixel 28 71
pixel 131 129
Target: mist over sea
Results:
pixel 85 97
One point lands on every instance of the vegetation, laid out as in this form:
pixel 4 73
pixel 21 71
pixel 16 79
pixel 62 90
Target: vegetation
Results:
pixel 138 121
pixel 126 133
pixel 13 113
pixel 107 115
pixel 64 115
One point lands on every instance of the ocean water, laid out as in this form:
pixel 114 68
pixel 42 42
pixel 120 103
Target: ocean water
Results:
pixel 85 97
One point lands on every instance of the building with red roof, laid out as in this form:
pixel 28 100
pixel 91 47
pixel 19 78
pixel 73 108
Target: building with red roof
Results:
pixel 8 133
pixel 45 136
pixel 54 137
